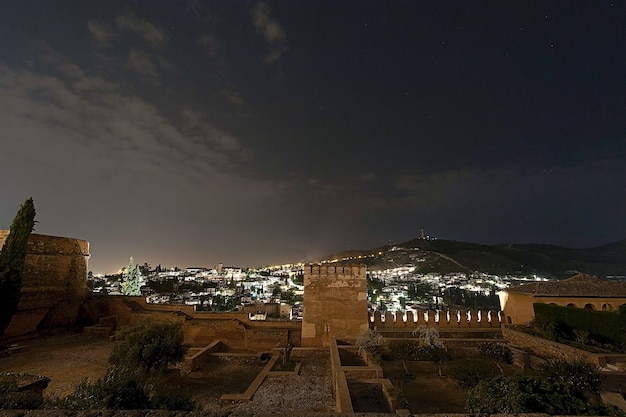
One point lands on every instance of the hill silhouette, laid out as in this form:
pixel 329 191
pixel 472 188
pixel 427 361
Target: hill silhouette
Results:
pixel 444 256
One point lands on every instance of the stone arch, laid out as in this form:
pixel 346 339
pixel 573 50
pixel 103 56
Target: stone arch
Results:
pixel 607 307
pixel 509 320
pixel 589 306
pixel 572 305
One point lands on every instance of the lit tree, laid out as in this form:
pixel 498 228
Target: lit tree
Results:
pixel 132 275
pixel 12 257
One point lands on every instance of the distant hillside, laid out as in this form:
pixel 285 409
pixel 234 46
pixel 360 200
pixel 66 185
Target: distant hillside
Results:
pixel 445 256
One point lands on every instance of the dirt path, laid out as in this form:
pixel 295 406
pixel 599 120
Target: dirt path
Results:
pixel 66 360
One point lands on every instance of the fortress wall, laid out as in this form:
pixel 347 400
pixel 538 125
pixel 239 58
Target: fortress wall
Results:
pixel 335 303
pixel 54 283
pixel 239 335
pixel 235 330
pixel 441 319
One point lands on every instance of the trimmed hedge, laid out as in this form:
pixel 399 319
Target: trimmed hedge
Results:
pixel 607 325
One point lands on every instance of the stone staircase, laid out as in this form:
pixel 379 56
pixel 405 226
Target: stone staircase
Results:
pixel 104 329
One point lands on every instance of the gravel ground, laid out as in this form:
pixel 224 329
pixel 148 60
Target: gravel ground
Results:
pixel 309 391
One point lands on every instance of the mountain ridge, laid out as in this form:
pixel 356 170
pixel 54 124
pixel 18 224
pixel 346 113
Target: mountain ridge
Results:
pixel 444 256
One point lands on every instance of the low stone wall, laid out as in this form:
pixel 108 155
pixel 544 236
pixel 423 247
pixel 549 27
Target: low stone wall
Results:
pixel 254 386
pixel 215 413
pixel 370 373
pixel 195 361
pixel 243 335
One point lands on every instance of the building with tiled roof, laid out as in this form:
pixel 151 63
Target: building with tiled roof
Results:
pixel 579 291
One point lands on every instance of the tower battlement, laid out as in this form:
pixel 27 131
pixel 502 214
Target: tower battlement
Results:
pixel 335 303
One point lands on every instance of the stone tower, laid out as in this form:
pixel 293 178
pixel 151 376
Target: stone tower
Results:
pixel 53 285
pixel 335 303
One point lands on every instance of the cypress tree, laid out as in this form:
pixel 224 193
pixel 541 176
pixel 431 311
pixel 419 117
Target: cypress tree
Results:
pixel 12 257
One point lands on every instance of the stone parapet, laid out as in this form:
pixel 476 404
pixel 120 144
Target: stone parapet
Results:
pixel 437 318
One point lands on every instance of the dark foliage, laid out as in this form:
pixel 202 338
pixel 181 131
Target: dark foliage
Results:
pixel 12 257
pixel 560 389
pixel 469 374
pixel 587 328
pixel 12 398
pixel 413 352
pixel 118 389
pixel 135 381
pixel 497 351
pixel 149 346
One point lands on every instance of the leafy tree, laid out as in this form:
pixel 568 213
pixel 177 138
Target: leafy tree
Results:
pixel 430 337
pixel 144 269
pixel 12 257
pixel 370 341
pixel 131 285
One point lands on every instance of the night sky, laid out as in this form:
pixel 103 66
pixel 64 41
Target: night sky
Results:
pixel 190 133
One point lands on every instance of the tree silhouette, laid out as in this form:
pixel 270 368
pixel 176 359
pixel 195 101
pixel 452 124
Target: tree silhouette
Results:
pixel 131 285
pixel 12 257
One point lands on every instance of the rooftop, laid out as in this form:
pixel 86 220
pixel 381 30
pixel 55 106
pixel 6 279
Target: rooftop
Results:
pixel 581 285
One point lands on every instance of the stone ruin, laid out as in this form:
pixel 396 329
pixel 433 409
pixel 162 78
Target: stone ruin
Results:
pixel 54 283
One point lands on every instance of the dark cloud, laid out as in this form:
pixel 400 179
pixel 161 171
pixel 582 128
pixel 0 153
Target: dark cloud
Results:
pixel 271 30
pixel 163 136
pixel 145 30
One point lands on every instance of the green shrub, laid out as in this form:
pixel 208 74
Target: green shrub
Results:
pixel 495 350
pixel 133 382
pixel 405 350
pixel 497 395
pixel 469 374
pixel 11 397
pixel 603 329
pixel 119 389
pixel 560 389
pixel 580 376
pixel 170 398
pixel 149 346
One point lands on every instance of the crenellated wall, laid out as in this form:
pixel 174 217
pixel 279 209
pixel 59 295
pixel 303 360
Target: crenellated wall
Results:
pixel 335 303
pixel 444 319
pixel 53 285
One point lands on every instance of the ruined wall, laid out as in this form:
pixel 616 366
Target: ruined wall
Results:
pixel 442 319
pixel 53 285
pixel 335 303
